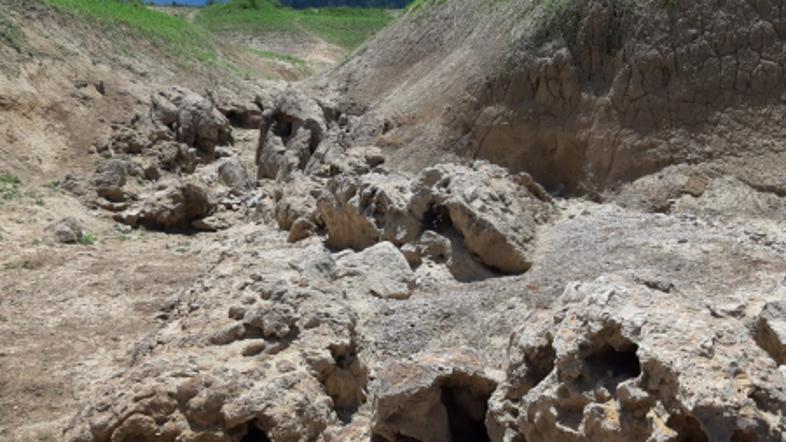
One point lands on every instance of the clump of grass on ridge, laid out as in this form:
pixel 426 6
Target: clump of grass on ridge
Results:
pixel 174 33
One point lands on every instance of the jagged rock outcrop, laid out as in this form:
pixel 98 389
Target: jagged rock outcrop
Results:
pixel 171 168
pixel 360 211
pixel 440 398
pixel 274 360
pixel 493 213
pixel 496 213
pixel 194 119
pixel 380 270
pixel 174 206
pixel 614 364
pixel 292 130
pixel 770 330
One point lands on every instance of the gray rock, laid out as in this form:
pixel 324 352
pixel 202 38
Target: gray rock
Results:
pixel 770 330
pixel 359 211
pixel 495 212
pixel 380 270
pixel 194 119
pixel 110 178
pixel 67 230
pixel 292 130
pixel 233 174
pixel 175 207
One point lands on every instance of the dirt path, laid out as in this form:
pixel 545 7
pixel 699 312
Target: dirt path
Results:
pixel 70 313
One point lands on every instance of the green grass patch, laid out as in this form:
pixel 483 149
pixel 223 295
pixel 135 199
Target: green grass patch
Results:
pixel 423 4
pixel 9 187
pixel 174 33
pixel 87 239
pixel 345 27
pixel 10 33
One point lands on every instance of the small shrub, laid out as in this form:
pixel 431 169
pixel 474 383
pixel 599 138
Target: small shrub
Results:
pixel 87 239
pixel 9 187
pixel 11 34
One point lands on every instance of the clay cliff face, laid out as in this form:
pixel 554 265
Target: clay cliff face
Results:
pixel 582 95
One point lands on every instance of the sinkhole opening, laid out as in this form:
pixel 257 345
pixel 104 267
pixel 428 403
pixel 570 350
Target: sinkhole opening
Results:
pixel 466 412
pixel 615 363
pixel 254 434
pixel 688 428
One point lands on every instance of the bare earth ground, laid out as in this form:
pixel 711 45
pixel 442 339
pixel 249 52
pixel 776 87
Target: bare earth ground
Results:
pixel 70 313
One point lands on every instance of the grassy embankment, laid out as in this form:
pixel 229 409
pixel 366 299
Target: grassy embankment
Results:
pixel 344 27
pixel 197 41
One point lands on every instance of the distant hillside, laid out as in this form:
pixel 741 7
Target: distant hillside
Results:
pixel 389 4
pixel 300 4
pixel 346 28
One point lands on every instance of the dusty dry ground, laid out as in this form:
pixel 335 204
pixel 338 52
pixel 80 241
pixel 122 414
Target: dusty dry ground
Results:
pixel 70 314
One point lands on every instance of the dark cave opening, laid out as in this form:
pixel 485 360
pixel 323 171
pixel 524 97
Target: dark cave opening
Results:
pixel 283 127
pixel 438 220
pixel 254 434
pixel 466 414
pixel 743 436
pixel 688 428
pixel 610 362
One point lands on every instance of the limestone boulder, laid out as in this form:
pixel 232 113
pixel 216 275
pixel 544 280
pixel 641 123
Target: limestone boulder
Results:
pixel 110 178
pixel 496 213
pixel 770 330
pixel 360 211
pixel 622 361
pixel 291 131
pixel 380 270
pixel 174 206
pixel 194 119
pixel 68 230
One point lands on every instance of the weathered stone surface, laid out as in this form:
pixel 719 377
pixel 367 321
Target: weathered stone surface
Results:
pixel 496 213
pixel 67 230
pixel 615 363
pixel 380 270
pixel 232 174
pixel 770 330
pixel 272 361
pixel 359 211
pixel 175 206
pixel 297 199
pixel 292 130
pixel 243 114
pixel 441 397
pixel 109 179
pixel 193 118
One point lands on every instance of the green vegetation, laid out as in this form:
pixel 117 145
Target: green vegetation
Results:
pixel 122 232
pixel 174 33
pixel 422 4
pixel 10 33
pixel 345 27
pixel 87 239
pixel 276 56
pixel 9 187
